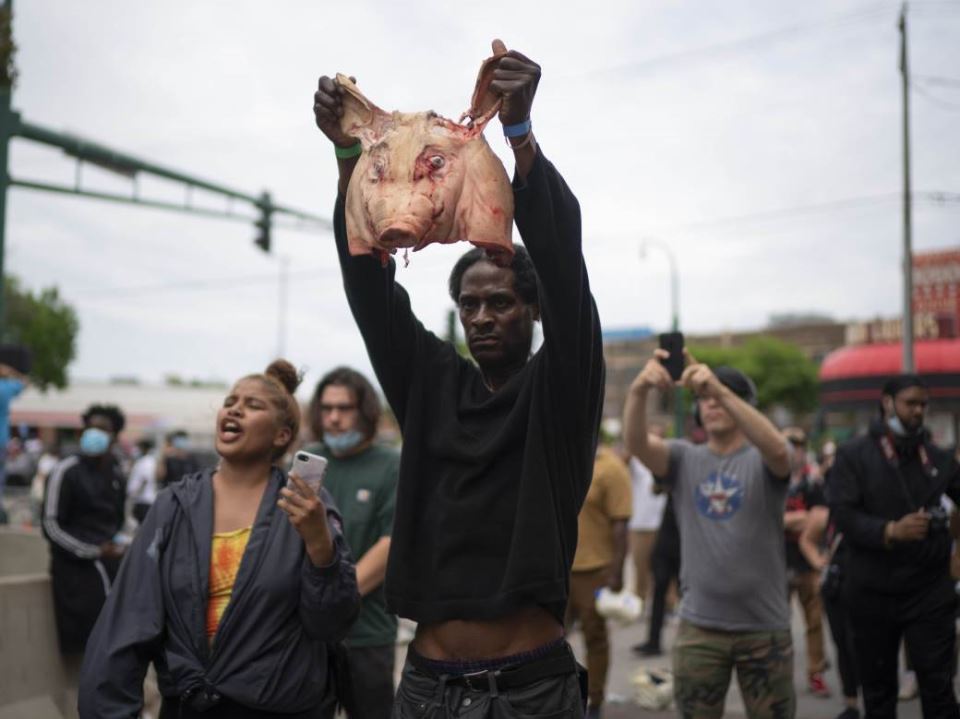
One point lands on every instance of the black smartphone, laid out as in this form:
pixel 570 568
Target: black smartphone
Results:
pixel 672 342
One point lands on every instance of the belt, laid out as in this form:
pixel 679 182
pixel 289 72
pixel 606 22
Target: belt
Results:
pixel 558 662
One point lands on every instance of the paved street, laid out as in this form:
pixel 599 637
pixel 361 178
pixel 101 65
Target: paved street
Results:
pixel 624 665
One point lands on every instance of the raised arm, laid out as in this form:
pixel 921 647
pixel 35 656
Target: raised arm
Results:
pixel 548 217
pixel 759 430
pixel 648 448
pixel 381 308
pixel 515 80
pixel 328 109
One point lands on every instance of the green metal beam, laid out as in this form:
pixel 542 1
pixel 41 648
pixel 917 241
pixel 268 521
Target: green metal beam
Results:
pixel 161 204
pixel 125 199
pixel 13 125
pixel 118 162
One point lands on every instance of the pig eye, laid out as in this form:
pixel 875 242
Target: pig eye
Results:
pixel 437 161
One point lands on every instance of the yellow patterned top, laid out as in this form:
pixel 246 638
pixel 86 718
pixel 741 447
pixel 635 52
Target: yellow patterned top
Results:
pixel 225 555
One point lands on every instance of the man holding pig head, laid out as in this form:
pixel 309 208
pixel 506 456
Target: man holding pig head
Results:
pixel 497 454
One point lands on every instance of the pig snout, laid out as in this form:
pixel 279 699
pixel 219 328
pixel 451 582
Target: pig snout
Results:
pixel 406 225
pixel 397 236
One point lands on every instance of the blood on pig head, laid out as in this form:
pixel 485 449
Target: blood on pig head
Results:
pixel 423 178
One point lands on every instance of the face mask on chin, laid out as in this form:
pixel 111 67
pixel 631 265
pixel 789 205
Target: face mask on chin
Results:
pixel 343 443
pixel 899 429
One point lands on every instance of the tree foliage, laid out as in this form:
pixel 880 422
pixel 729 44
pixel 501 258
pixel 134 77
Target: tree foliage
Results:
pixel 783 374
pixel 8 49
pixel 47 326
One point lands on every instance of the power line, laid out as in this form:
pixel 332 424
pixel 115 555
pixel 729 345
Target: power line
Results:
pixel 750 42
pixel 935 80
pixel 933 4
pixel 930 97
pixel 850 203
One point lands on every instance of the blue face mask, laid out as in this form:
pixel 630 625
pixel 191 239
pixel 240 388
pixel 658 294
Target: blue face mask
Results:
pixel 94 442
pixel 343 443
pixel 181 442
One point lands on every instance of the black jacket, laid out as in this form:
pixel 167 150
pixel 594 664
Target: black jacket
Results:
pixel 865 491
pixel 83 506
pixel 270 652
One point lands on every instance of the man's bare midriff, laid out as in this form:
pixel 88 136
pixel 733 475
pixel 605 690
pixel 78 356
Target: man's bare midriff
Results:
pixel 458 639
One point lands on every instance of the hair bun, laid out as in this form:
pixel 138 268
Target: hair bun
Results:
pixel 285 373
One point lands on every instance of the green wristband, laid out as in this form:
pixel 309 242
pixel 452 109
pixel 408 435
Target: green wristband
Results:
pixel 345 153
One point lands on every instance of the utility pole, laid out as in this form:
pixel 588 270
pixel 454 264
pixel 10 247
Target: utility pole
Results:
pixel 282 307
pixel 7 123
pixel 907 332
pixel 452 327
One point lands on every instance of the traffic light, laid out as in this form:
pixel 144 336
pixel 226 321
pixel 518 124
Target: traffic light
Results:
pixel 263 223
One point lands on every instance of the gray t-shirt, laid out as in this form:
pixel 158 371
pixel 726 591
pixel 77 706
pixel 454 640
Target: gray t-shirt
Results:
pixel 730 512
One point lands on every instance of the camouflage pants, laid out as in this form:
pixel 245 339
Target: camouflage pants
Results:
pixel 703 660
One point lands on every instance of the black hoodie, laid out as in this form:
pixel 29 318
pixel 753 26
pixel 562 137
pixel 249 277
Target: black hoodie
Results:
pixel 270 652
pixel 866 490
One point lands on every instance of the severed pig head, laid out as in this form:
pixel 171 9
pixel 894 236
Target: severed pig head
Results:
pixel 423 178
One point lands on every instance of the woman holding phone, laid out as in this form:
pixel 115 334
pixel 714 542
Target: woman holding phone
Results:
pixel 235 585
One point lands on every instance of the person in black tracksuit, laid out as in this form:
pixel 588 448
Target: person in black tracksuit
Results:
pixel 292 593
pixel 83 510
pixel 884 493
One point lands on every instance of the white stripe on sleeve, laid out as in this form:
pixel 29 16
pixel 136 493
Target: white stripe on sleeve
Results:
pixel 52 526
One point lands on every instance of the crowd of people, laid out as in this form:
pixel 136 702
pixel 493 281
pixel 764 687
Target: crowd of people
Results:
pixel 499 519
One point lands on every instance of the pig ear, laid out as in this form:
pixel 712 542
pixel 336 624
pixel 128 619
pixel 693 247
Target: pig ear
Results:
pixel 485 103
pixel 361 118
pixel 484 214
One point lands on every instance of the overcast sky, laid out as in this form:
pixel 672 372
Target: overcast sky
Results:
pixel 685 122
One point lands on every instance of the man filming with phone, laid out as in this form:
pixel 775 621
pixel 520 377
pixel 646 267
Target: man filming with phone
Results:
pixel 728 495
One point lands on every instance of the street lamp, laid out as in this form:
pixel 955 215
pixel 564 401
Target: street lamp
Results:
pixel 674 277
pixel 678 408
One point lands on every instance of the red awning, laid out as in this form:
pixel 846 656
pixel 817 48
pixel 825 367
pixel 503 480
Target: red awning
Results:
pixel 930 357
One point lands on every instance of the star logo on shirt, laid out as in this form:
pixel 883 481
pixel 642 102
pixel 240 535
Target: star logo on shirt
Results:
pixel 719 496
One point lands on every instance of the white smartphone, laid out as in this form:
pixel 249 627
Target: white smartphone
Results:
pixel 311 468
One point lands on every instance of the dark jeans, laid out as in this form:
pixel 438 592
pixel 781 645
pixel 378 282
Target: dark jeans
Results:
pixel 369 693
pixel 422 696
pixel 80 588
pixel 838 617
pixel 666 568
pixel 925 621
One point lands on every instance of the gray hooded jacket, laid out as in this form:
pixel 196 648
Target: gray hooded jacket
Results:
pixel 270 651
